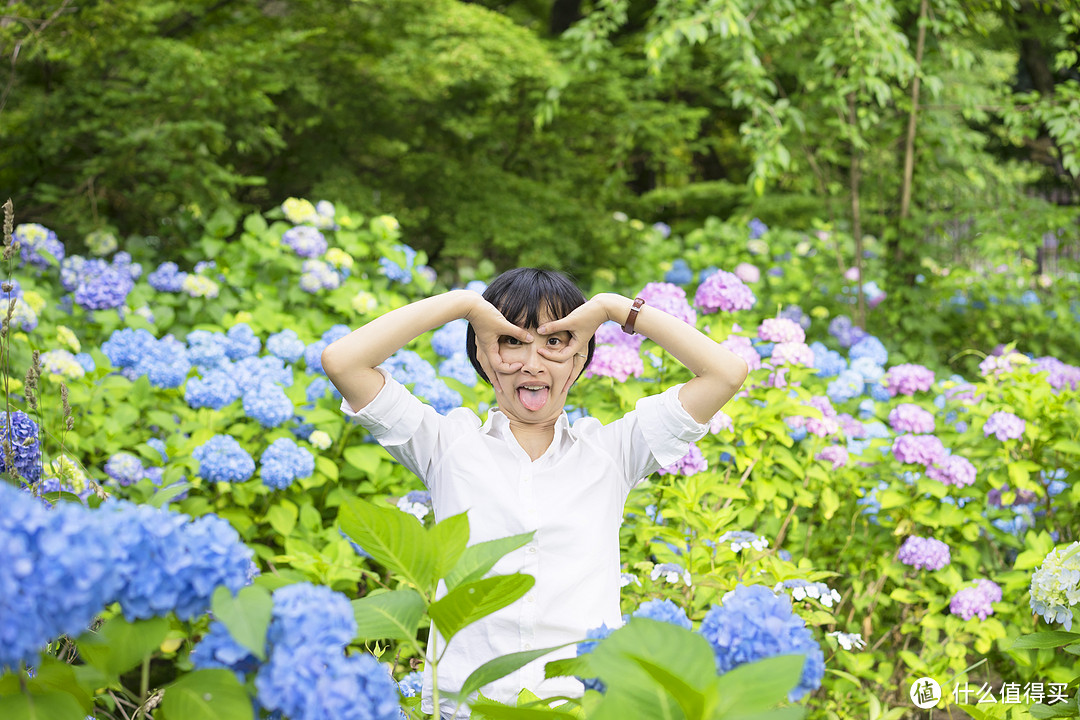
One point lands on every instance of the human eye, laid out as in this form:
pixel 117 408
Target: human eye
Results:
pixel 509 340
pixel 554 341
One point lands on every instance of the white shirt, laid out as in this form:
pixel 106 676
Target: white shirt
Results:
pixel 572 496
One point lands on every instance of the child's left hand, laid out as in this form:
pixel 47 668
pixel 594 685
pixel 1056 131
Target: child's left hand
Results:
pixel 581 324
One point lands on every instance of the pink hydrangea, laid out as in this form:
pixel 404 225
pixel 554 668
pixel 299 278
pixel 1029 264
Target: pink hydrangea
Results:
pixel 822 427
pixel 918 449
pixel 852 427
pixel 689 464
pixel 953 470
pixel 924 553
pixel 1004 426
pixel 669 298
pixel 792 353
pixel 835 454
pixel 744 348
pixel 1061 375
pixel 781 330
pixel 747 273
pixel 976 600
pixel 724 291
pixel 615 361
pixel 611 333
pixel 906 379
pixel 721 421
pixel 909 417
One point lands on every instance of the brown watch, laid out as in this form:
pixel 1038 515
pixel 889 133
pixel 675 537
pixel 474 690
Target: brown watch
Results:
pixel 628 326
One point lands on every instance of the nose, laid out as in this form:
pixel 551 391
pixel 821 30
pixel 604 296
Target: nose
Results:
pixel 531 363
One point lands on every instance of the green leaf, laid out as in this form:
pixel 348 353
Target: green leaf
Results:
pixel 365 458
pixel 394 615
pixel 394 539
pixel 449 537
pixel 166 494
pixel 468 603
pixel 207 695
pixel 1069 447
pixel 118 645
pixel 478 559
pixel 47 706
pixel 691 700
pixel 246 616
pixel 501 667
pixel 1046 639
pixel 496 711
pixel 1058 710
pixel 759 685
pixel 282 517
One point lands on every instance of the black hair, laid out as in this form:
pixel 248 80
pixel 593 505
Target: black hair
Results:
pixel 521 295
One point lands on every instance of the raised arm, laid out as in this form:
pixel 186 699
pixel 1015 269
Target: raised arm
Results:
pixel 718 372
pixel 351 361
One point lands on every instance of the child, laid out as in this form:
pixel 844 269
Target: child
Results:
pixel 525 468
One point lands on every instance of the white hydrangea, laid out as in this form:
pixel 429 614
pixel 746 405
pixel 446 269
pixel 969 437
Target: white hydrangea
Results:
pixel 628 579
pixel 1055 586
pixel 848 640
pixel 671 573
pixel 320 439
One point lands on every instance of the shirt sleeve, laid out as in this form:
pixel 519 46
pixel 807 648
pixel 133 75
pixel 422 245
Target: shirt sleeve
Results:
pixel 412 432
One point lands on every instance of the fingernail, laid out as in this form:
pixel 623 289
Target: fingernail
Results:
pixel 542 329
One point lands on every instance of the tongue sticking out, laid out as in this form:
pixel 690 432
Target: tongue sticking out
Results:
pixel 533 399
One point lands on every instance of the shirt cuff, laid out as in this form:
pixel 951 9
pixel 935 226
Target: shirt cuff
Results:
pixel 393 416
pixel 667 426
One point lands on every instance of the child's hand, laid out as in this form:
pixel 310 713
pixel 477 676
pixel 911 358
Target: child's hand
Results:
pixel 490 326
pixel 581 324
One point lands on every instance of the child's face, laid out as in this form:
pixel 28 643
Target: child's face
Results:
pixel 537 391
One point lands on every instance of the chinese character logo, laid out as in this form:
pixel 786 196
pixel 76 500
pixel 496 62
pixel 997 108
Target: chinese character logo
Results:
pixel 925 693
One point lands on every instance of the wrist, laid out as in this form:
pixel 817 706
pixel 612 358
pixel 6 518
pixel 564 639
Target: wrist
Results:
pixel 615 306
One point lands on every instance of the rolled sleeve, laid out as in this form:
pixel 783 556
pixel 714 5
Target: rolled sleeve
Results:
pixel 667 427
pixel 393 417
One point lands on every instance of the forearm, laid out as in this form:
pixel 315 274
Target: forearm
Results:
pixel 350 362
pixel 719 373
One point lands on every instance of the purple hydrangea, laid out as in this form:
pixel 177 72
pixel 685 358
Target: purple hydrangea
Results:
pixel 781 330
pixel 908 378
pixel 284 462
pixel 1004 426
pixel 35 241
pixel 796 315
pixel 976 600
pixel 167 278
pixel 724 291
pixel 689 464
pixel 835 454
pixel 615 361
pixel 918 449
pixel 223 459
pixel 611 333
pixel 754 623
pixel 845 332
pixel 821 427
pixel 306 241
pixel 924 553
pixel 757 228
pixel 910 418
pixel 103 290
pixel 953 470
pixel 744 348
pixel 663 611
pixel 22 433
pixel 316 275
pixel 1060 375
pixel 792 353
pixel 669 298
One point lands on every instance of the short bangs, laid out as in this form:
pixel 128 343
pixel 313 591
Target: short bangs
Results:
pixel 522 295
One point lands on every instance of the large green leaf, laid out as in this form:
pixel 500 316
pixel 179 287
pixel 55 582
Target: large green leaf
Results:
pixel 760 685
pixel 478 559
pixel 692 701
pixel 394 539
pixel 48 706
pixel 1045 639
pixel 468 603
pixel 449 538
pixel 495 711
pixel 246 616
pixel 119 645
pixel 501 667
pixel 394 615
pixel 207 695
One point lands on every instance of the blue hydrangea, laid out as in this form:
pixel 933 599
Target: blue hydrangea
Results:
pixel 125 347
pixel 827 362
pixel 241 342
pixel 754 623
pixel 207 350
pixel 797 315
pixel 283 462
pixel 680 273
pixel 313 352
pixel 34 241
pixel 222 459
pixel 845 332
pixel 870 370
pixel 847 385
pixel 102 287
pixel 159 445
pixel 393 270
pixel 879 392
pixel 406 367
pixel 215 390
pixel 253 371
pixel 23 435
pixel 58 572
pixel 757 228
pixel 167 278
pixel 306 241
pixel 14 292
pixel 285 345
pixel 869 347
pixel 86 360
pixel 268 405
pixel 459 368
pixel 449 340
pixel 319 275
pixel 411 684
pixel 318 388
pixel 594 636
pixel 439 395
pixel 172 564
pixel 165 363
pixel 764 349
pixel 218 650
pixel 664 611
pixel 125 468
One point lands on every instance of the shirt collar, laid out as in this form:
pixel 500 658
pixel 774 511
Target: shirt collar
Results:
pixel 497 424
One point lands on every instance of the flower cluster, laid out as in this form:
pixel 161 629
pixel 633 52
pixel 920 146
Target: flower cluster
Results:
pixel 744 348
pixel 924 553
pixel 313 352
pixel 1004 426
pixel 663 611
pixel 318 275
pixel 910 418
pixel 792 353
pixel 680 273
pixel 743 540
pixel 781 330
pixel 748 273
pixel 306 241
pixel 615 361
pixel 669 298
pixel 62 363
pixel 138 352
pixel 835 454
pixel 1055 585
pixel 267 404
pixel 416 503
pixel 1060 375
pixel 976 600
pixel 449 340
pixel 689 464
pixel 126 469
pixel 754 623
pixel 284 462
pixel 918 449
pixel 167 278
pixel 593 637
pixel 908 378
pixel 848 640
pixel 802 589
pixel 21 434
pixel 724 291
pixel 285 345
pixel 223 459
pixel 36 242
pixel 199 286
pixel 215 390
pixel 952 470
pixel 241 342
pixel 845 332
pixel 394 270
pixel 671 573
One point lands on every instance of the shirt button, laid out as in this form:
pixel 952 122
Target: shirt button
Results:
pixel 530 597
pixel 532 549
pixel 528 646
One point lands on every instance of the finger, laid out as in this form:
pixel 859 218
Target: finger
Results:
pixel 575 372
